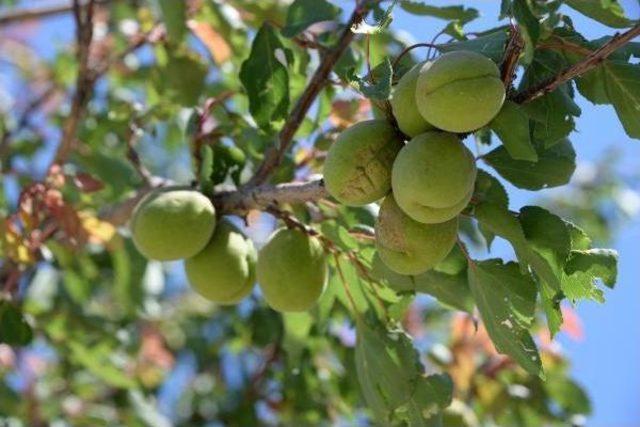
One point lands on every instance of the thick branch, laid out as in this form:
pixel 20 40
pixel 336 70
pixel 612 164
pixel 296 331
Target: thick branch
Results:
pixel 511 54
pixel 24 14
pixel 244 200
pixel 274 156
pixel 578 69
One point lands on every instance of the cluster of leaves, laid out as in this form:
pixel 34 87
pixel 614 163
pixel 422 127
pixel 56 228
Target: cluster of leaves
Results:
pixel 117 334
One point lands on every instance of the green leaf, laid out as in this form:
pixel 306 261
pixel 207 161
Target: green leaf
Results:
pixel 296 333
pixel 489 189
pixel 608 12
pixel 503 223
pixel 571 398
pixel 553 113
pixel 303 13
pixel 490 45
pixel 449 288
pixel 97 360
pixel 549 238
pixel 174 14
pixel 512 127
pixel 266 79
pixel 554 167
pixel 14 330
pixel 392 379
pixel 583 271
pixel 206 169
pixel 380 86
pixel 623 90
pixel 529 25
pixel 182 78
pixel 450 13
pixel 383 20
pixel 506 300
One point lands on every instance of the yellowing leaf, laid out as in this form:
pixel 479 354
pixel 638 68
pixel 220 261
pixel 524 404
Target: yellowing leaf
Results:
pixel 100 232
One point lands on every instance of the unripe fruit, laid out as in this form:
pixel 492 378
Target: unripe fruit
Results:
pixel 224 271
pixel 410 247
pixel 171 224
pixel 433 177
pixel 357 170
pixel 403 104
pixel 460 91
pixel 292 270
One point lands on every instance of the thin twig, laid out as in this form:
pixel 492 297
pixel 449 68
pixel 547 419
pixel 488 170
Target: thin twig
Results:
pixel 275 155
pixel 132 137
pixel 578 69
pixel 409 49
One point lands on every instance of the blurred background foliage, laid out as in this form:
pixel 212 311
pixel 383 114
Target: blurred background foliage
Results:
pixel 93 334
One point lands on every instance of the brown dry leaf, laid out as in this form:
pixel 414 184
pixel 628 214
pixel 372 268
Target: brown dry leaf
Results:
pixel 217 45
pixel 87 183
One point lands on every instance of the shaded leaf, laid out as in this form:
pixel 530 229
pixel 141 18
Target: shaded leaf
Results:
pixel 512 127
pixel 490 45
pixel 506 300
pixel 554 167
pixel 14 330
pixel 392 379
pixel 174 14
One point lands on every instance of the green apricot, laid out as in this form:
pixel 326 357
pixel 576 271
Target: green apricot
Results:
pixel 224 271
pixel 292 270
pixel 403 104
pixel 433 177
pixel 357 170
pixel 411 247
pixel 170 224
pixel 460 91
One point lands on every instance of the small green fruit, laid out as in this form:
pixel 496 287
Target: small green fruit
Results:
pixel 460 91
pixel 410 247
pixel 224 271
pixel 171 224
pixel 403 104
pixel 433 177
pixel 292 270
pixel 357 170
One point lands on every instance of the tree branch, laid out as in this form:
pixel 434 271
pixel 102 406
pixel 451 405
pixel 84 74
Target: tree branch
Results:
pixel 244 200
pixel 319 80
pixel 578 69
pixel 85 79
pixel 511 55
pixel 25 14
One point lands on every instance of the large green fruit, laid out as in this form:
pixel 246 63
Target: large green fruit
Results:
pixel 403 104
pixel 461 91
pixel 433 177
pixel 292 270
pixel 410 247
pixel 357 170
pixel 224 271
pixel 171 224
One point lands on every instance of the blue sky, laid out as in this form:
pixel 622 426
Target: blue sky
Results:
pixel 606 361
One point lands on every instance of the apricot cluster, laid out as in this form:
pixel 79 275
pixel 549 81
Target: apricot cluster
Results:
pixel 221 263
pixel 427 181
